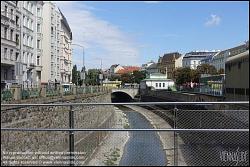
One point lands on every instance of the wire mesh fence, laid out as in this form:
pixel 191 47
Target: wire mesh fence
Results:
pixel 150 134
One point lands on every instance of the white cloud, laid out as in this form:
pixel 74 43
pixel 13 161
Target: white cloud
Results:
pixel 213 21
pixel 150 2
pixel 100 38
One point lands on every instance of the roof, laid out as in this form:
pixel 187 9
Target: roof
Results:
pixel 128 69
pixel 171 56
pixel 238 56
pixel 157 79
pixel 155 65
pixel 114 65
pixel 65 23
pixel 199 54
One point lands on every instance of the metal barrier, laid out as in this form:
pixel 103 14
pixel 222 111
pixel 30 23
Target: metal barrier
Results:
pixel 198 129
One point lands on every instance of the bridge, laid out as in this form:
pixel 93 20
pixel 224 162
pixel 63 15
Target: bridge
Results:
pixel 124 94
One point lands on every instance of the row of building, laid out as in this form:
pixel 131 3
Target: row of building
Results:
pixel 170 61
pixel 35 44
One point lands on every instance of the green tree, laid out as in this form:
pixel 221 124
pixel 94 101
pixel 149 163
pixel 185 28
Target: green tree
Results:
pixel 92 77
pixel 74 75
pixel 126 78
pixel 115 77
pixel 138 76
pixel 206 69
pixel 182 75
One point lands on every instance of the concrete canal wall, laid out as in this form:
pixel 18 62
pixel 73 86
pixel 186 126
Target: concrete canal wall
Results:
pixel 56 117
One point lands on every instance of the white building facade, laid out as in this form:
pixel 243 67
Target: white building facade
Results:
pixel 19 44
pixel 193 59
pixel 156 81
pixel 10 42
pixel 56 45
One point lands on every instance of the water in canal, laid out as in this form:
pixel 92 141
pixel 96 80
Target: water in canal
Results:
pixel 143 148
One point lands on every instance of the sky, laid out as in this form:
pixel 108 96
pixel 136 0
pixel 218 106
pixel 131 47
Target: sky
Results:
pixel 133 33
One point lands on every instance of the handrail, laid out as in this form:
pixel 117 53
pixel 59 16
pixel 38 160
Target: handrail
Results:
pixel 133 103
pixel 174 130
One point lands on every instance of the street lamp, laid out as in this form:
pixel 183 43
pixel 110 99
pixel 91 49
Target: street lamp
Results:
pixel 82 75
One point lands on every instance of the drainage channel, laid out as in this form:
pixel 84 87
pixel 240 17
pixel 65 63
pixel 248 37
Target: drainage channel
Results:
pixel 143 148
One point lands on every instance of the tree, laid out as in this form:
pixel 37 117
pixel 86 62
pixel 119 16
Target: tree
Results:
pixel 92 77
pixel 115 77
pixel 126 78
pixel 182 75
pixel 138 76
pixel 74 75
pixel 206 69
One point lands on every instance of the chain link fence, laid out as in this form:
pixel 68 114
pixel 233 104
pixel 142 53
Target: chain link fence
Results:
pixel 194 134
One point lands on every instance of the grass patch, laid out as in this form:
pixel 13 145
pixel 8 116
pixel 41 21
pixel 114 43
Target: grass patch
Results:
pixel 111 157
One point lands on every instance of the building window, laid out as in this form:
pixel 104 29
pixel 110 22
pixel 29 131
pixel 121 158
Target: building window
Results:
pixel 13 74
pixel 11 35
pixel 11 54
pixel 24 41
pixel 17 55
pixel 11 14
pixel 17 39
pixel 38 44
pixel 5 53
pixel 31 8
pixel 31 57
pixel 24 21
pixel 28 23
pixel 6 11
pixel 29 5
pixel 31 42
pixel 163 85
pixel 31 25
pixel 156 84
pixel 5 74
pixel 38 12
pixel 38 60
pixel 159 84
pixel 38 27
pixel 5 32
pixel 17 21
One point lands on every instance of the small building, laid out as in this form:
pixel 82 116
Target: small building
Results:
pixel 156 81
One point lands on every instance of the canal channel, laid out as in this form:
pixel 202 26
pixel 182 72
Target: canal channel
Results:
pixel 143 148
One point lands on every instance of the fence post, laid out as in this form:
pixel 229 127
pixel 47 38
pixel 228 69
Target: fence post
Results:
pixel 175 138
pixel 17 92
pixel 71 136
pixel 43 91
pixel 75 90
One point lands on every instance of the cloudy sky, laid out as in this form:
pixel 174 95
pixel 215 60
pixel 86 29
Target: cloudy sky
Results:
pixel 132 33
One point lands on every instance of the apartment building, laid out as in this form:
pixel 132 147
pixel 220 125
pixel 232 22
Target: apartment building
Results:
pixel 56 45
pixel 19 40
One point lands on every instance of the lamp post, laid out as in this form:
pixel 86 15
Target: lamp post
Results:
pixel 82 75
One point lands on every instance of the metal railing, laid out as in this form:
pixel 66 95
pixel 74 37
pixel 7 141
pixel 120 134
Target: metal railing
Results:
pixel 176 111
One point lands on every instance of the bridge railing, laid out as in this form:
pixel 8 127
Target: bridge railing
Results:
pixel 190 133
